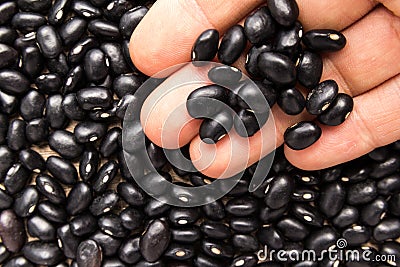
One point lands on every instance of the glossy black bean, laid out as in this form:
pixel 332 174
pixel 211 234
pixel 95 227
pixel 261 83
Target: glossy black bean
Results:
pixel 304 194
pixel 202 260
pixel 186 235
pixel 54 113
pixel 50 188
pixel 131 194
pixel 131 218
pixel 114 53
pixel 180 252
pixel 215 230
pixel 285 12
pixel 379 154
pixel 309 69
pixel 388 228
pixel 302 135
pixel 7 35
pixel 3 127
pixel 49 41
pixel 216 249
pixel 372 213
pixel 89 254
pixel 16 178
pixel 75 79
pixel 387 167
pixel 278 192
pixel 332 199
pixel 111 224
pixel 288 40
pixel 245 243
pixel 214 129
pixel 259 26
pixel 85 9
pixel 224 75
pixel 126 84
pixel 292 229
pixel 214 210
pixel 88 163
pixel 79 50
pixel 12 231
pixel 32 62
pixel 32 105
pixel 270 236
pixel 356 235
pixel 389 185
pixel 255 95
pixel 72 30
pixel 252 56
pixel 67 241
pixel 52 212
pixel 245 225
pixel 8 103
pixel 246 260
pixel 362 192
pixel 247 123
pixel 18 261
pixel 94 98
pixel 37 131
pixel 232 45
pixel 206 46
pixel 130 20
pixel 241 207
pixel 88 131
pixel 109 145
pixel 308 214
pixel 27 21
pixel 156 155
pixel 13 82
pixel 41 228
pixel 32 160
pixel 157 230
pixel 347 216
pixel 291 101
pixel 129 252
pixel 58 65
pixel 183 216
pixel 104 203
pixel 35 6
pixel 321 239
pixel 115 262
pixel 64 143
pixel 79 198
pixel 198 102
pixel 277 68
pixel 4 253
pixel 324 40
pixel 7 11
pixel 42 253
pixel 321 97
pixel 356 172
pixel 155 208
pixel 116 8
pixel 58 11
pixel 61 169
pixel 8 56
pixel 5 200
pixel 391 248
pixel 338 110
pixel 25 202
pixel 96 65
pixel 104 29
pixel 72 109
pixel 83 224
pixel 26 40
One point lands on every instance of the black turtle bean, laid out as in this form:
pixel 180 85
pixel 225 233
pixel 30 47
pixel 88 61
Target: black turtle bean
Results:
pixel 7 35
pixel 104 203
pixel 126 84
pixel 27 21
pixel 356 235
pixel 49 41
pixel 104 29
pixel 52 212
pixel 156 156
pixel 259 26
pixel 131 218
pixel 252 56
pixel 390 248
pixel 111 224
pixel 292 229
pixel 114 262
pixel 245 243
pixel 302 135
pixel 8 103
pixel 7 157
pixel 277 68
pixel 54 113
pixel 256 96
pixel 94 98
pixel 321 97
pixel 309 69
pixel 130 20
pixel 32 105
pixel 244 225
pixel 215 230
pixel 206 46
pixel 58 65
pixel 324 40
pixel 62 170
pixel 13 82
pixel 19 261
pixel 214 129
pixel 35 6
pixel 65 144
pixel 270 236
pixel 332 199
pixel 304 194
pixel 89 254
pixel 287 41
pixel 321 239
pixel 83 224
pixel 26 40
pixel 72 30
pixel 241 207
pixel 3 127
pixel 186 235
pixel 387 167
pixel 291 101
pixel 58 11
pixel 179 252
pixel 389 185
pixel 202 260
pixel 96 65
pixel 67 241
pixel 5 200
pixel 50 188
pixel 109 145
pixel 372 213
pixel 362 192
pixel 86 9
pixel 157 230
pixel 88 131
pixel 247 123
pixel 308 214
pixel 88 163
pixel 75 79
pixel 114 53
pixel 278 192
pixel 12 231
pixel 8 55
pixel 36 131
pixel 42 253
pixel 72 109
pixel 16 178
pixel 232 45
pixel 285 12
pixel 198 102
pixel 131 194
pixel 7 11
pixel 183 216
pixel 155 208
pixel 388 228
pixel 49 83
pixel 116 8
pixel 31 61
pixel 32 160
pixel 216 249
pixel 41 228
pixel 224 75
pixel 338 111
pixel 79 50
pixel 347 216
pixel 79 198
pixel 25 202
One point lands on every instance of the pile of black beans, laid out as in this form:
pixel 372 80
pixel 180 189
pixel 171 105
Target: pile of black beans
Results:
pixel 66 80
pixel 284 61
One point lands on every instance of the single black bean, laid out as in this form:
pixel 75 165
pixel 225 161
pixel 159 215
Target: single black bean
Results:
pixel 246 260
pixel 356 235
pixel 83 224
pixel 104 29
pixel 358 171
pixel 324 40
pixel 214 210
pixel 58 65
pixel 111 224
pixel 388 228
pixel 72 30
pixel 72 109
pixel 302 135
pixel 86 9
pixel 12 231
pixel 126 84
pixel 308 214
pixel 244 225
pixel 270 236
pixel 232 45
pixel 115 262
pixel 67 241
pixel 130 20
pixel 186 235
pixel 131 194
pixel 305 177
pixel 391 248
pixel 321 239
pixel 379 154
pixel 62 170
pixel 131 218
pixel 32 160
pixel 13 82
pixel 347 216
pixel 19 261
pixel 332 199
pixel 114 53
pixel 109 145
pixel 7 10
pixel 155 208
pixel 224 75
pixel 89 254
pixel 79 50
pixel 198 102
pixel 35 6
pixel 7 157
pixel 157 230
pixel 241 207
pixel 5 200
pixel 183 216
pixel 54 113
pixel 26 40
pixel 8 103
pixel 7 35
pixel 157 156
pixel 278 192
pixel 16 178
pixel 259 26
pixel 104 203
pixel 96 65
pixel 65 144
pixel 372 213
pixel 179 252
pixel 247 123
pixel 49 41
pixel 75 79
pixel 277 68
pixel 88 163
pixel 304 194
pixel 256 96
pixel 206 46
pixel 338 111
pixel 41 228
pixel 58 11
pixel 291 101
pixel 387 167
pixel 79 198
pixel 245 243
pixel 202 260
pixel 32 105
pixel 285 12
pixel 215 230
pixel 309 69
pixel 8 55
pixel 52 212
pixel 389 185
pixel 214 129
pixel 32 62
pixel 362 192
pixel 252 56
pixel 88 131
pixel 292 229
pixel 42 253
pixel 116 8
pixel 27 21
pixel 37 131
pixel 216 249
pixel 94 98
pixel 105 116
pixel 321 97
pixel 50 188
pixel 25 202
pixel 287 41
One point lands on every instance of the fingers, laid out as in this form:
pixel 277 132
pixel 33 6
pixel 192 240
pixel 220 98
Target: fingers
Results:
pixel 374 122
pixel 393 6
pixel 166 34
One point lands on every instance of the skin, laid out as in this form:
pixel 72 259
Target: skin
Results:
pixel 367 68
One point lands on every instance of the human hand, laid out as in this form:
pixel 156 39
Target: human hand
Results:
pixel 367 68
